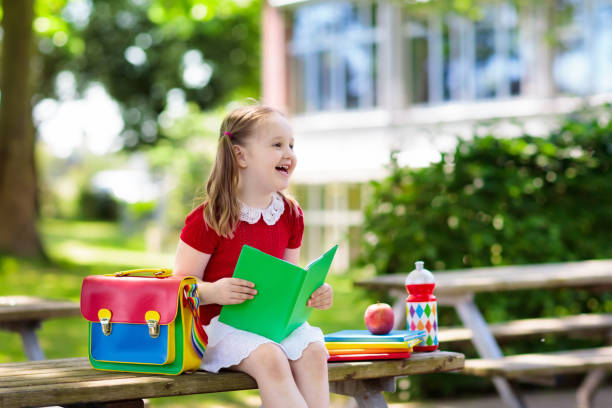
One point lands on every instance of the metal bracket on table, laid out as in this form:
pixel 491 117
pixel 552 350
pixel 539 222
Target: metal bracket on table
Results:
pixel 367 393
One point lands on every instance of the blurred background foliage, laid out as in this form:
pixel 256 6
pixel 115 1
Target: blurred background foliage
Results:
pixel 501 202
pixel 206 52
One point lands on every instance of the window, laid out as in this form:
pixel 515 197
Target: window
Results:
pixel 498 66
pixel 582 62
pixel 417 57
pixel 452 58
pixel 602 45
pixel 333 56
pixel 486 69
pixel 570 68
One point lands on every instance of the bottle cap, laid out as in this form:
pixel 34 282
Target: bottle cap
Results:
pixel 420 275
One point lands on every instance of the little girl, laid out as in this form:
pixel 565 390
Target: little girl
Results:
pixel 245 205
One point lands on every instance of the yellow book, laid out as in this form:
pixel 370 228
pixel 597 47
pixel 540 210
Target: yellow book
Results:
pixel 398 345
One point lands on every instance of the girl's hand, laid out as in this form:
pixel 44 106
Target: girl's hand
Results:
pixel 231 291
pixel 322 298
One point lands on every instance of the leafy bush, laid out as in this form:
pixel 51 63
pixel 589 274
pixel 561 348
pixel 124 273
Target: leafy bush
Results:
pixel 498 201
pixel 502 201
pixel 98 205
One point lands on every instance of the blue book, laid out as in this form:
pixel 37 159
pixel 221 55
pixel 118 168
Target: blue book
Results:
pixel 365 336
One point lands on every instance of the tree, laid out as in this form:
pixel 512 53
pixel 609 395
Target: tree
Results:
pixel 18 189
pixel 138 50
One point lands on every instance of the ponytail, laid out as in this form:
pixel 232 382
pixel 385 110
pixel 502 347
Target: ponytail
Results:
pixel 222 210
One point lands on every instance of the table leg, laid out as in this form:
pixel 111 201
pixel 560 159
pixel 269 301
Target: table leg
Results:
pixel 399 309
pixel 367 393
pixel 30 342
pixel 27 330
pixel 586 391
pixel 485 344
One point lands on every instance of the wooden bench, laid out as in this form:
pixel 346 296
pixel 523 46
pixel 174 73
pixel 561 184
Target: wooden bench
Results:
pixel 25 314
pixel 543 368
pixel 580 325
pixel 561 362
pixel 73 381
pixel 596 362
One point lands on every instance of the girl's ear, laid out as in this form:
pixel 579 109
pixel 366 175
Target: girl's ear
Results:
pixel 240 156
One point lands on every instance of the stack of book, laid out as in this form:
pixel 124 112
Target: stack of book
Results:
pixel 350 345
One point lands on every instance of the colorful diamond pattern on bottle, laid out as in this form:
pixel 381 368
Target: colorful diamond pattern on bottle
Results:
pixel 419 311
pixel 423 316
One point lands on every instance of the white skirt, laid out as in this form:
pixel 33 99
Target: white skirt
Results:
pixel 228 346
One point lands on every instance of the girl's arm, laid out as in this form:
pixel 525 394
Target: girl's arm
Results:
pixel 323 297
pixel 225 291
pixel 292 255
pixel 190 262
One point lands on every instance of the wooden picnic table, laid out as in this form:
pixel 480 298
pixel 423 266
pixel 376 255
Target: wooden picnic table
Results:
pixel 25 314
pixel 456 288
pixel 74 381
pixel 503 278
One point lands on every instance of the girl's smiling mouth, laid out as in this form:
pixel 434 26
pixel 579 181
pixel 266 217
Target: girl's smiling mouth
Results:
pixel 283 169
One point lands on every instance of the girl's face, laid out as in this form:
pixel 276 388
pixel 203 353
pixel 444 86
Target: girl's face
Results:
pixel 267 159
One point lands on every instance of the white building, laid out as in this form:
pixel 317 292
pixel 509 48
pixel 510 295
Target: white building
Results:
pixel 362 78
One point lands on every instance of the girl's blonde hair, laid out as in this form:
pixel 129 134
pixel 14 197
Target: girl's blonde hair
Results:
pixel 221 207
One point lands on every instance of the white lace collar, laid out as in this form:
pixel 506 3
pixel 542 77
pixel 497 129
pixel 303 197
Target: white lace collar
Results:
pixel 270 214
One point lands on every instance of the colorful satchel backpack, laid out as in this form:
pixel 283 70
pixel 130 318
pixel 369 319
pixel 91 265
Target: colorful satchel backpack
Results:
pixel 144 324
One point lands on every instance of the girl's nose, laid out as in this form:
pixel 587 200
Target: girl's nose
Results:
pixel 289 152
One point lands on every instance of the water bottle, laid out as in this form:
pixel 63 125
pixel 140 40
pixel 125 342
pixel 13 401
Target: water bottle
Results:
pixel 422 307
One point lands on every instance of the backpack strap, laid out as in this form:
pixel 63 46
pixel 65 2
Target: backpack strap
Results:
pixel 198 335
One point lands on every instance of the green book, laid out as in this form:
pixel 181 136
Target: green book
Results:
pixel 283 289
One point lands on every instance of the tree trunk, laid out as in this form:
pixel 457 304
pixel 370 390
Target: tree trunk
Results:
pixel 18 188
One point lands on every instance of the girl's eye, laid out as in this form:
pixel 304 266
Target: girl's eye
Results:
pixel 277 145
pixel 291 146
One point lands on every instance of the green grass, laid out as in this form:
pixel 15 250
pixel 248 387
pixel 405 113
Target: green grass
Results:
pixel 79 248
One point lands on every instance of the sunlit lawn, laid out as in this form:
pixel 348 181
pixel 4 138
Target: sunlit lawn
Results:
pixel 80 248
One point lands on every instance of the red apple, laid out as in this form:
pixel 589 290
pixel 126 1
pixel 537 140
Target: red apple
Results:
pixel 379 318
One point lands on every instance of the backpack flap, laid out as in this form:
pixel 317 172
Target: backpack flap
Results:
pixel 131 318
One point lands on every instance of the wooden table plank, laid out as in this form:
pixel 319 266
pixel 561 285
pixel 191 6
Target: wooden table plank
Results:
pixel 578 325
pixel 70 377
pixel 25 308
pixel 575 361
pixel 99 386
pixel 501 278
pixel 418 363
pixel 6 368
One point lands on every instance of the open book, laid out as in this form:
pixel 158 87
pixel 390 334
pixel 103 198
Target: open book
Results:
pixel 283 289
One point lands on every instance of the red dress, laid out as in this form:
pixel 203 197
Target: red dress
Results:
pixel 272 239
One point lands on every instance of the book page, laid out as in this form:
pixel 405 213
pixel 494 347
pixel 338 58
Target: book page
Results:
pixel 316 272
pixel 278 284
